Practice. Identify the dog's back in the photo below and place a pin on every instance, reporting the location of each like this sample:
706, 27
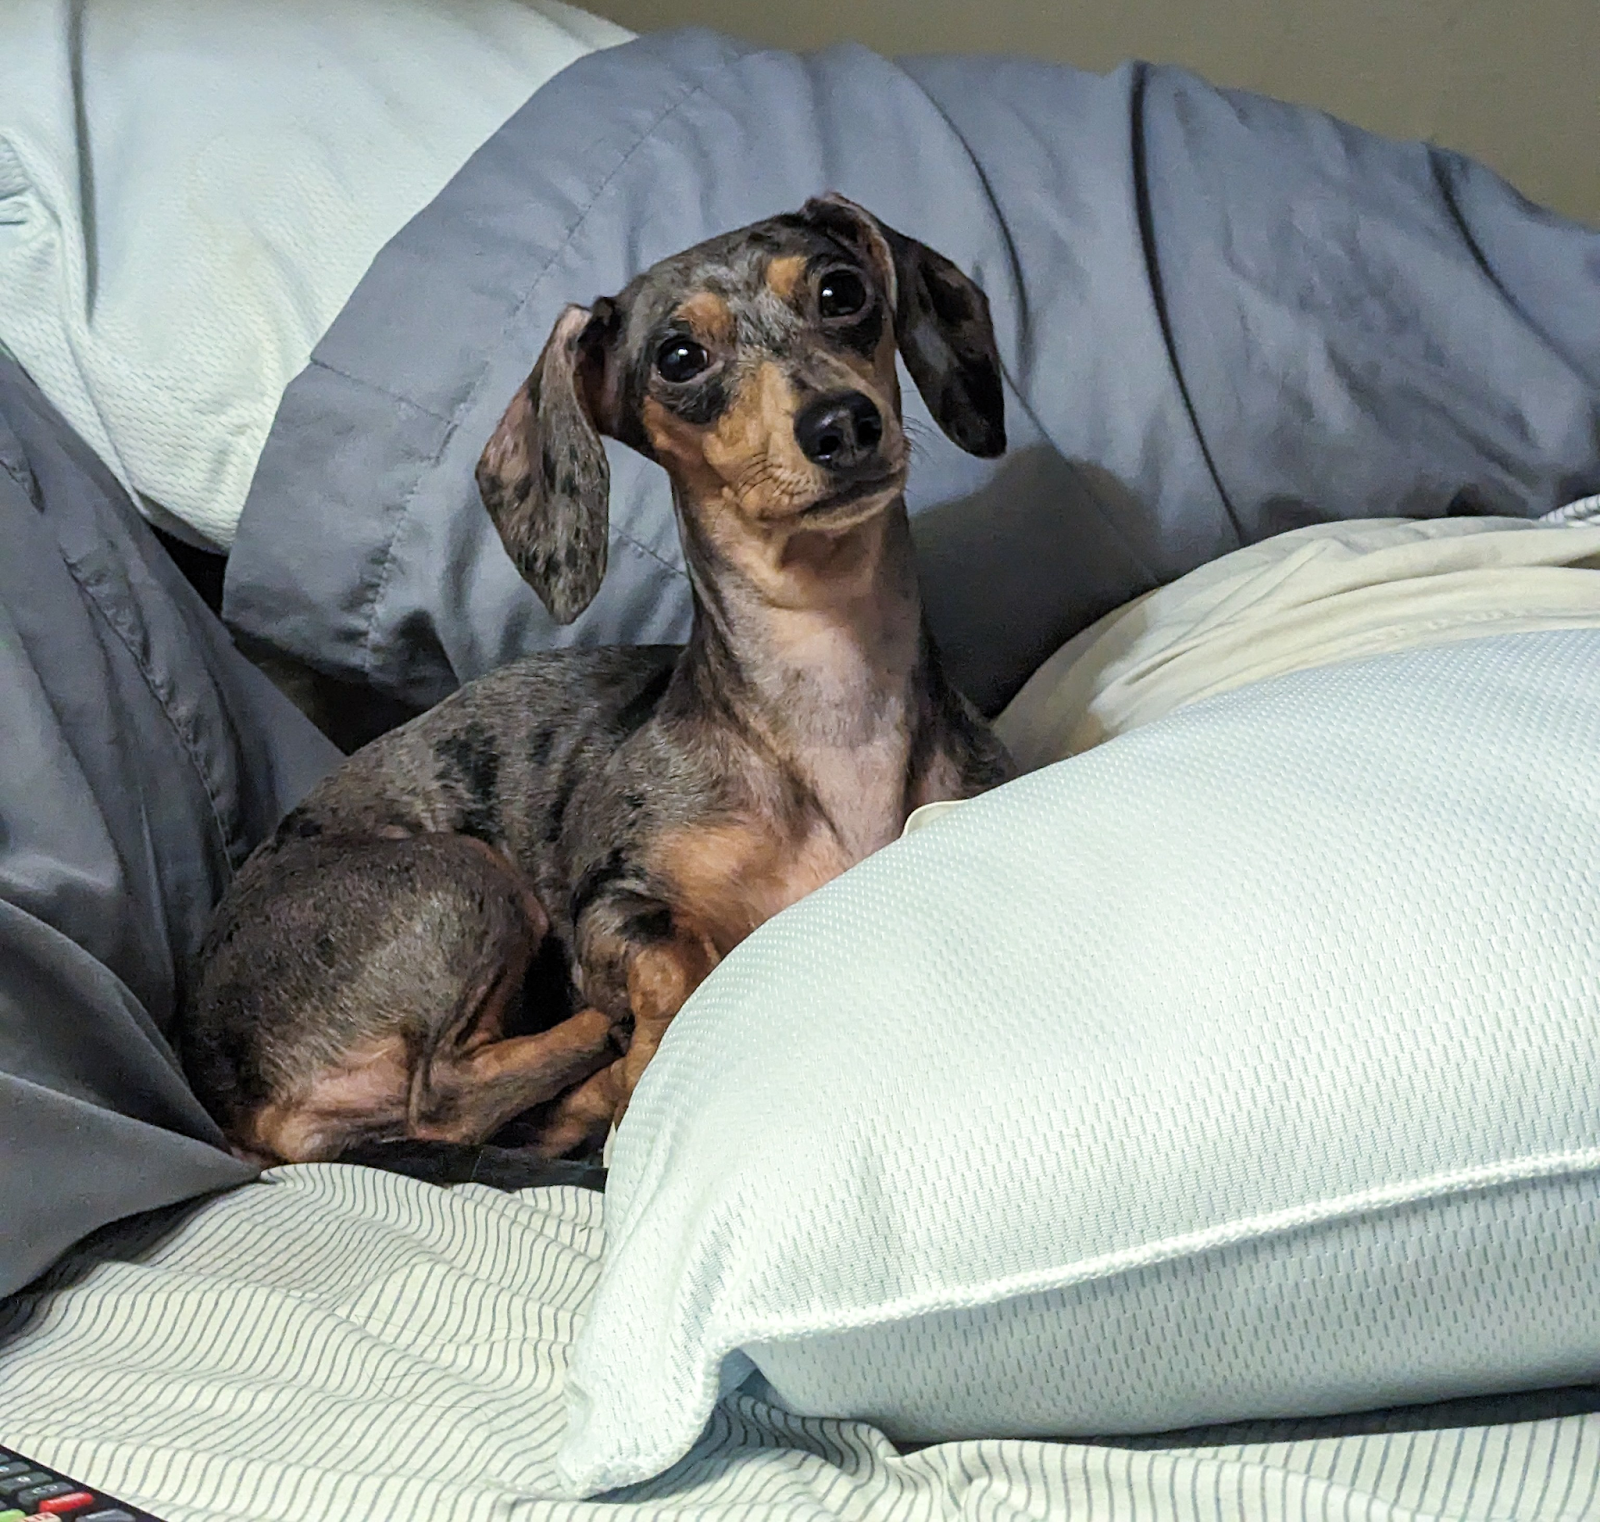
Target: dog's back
497, 760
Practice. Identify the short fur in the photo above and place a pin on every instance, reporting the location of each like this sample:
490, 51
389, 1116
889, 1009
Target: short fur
654, 808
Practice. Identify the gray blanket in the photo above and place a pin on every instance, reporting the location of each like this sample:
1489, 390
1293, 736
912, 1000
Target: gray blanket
141, 757
1219, 317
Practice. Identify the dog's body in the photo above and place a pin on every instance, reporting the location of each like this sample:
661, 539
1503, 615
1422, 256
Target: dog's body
656, 811
362, 978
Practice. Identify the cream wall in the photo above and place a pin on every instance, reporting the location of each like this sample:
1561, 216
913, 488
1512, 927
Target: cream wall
1515, 82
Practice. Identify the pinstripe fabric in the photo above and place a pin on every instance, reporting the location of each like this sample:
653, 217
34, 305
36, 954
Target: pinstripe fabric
338, 1345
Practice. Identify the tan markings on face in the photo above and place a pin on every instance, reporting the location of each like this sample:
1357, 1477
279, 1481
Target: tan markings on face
708, 315
748, 458
680, 446
784, 275
875, 375
752, 447
875, 371
884, 374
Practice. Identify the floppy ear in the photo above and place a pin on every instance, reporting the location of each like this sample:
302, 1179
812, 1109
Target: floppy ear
941, 324
543, 475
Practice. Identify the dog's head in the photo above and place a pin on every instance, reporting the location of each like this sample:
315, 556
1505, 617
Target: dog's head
759, 370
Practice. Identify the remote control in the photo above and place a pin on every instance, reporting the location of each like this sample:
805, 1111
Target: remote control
29, 1491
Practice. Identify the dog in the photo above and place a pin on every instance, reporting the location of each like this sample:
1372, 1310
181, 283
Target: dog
644, 809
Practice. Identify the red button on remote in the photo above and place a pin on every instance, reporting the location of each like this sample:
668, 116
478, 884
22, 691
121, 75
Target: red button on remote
56, 1505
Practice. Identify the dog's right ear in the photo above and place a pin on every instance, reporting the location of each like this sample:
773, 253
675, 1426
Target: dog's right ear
941, 324
543, 475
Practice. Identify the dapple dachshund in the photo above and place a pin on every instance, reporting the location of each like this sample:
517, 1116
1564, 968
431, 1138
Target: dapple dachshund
367, 976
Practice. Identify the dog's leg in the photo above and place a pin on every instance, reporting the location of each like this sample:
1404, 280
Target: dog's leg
661, 977
581, 1117
640, 960
658, 977
467, 1095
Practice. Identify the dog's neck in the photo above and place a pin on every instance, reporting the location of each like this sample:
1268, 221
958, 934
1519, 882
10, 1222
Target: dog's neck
815, 640
818, 633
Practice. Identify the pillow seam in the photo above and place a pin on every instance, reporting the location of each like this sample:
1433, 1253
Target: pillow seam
625, 1469
1265, 1226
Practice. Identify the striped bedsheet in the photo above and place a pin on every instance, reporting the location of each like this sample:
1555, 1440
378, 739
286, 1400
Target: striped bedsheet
339, 1345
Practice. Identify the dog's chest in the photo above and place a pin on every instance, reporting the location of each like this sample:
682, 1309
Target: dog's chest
790, 837
728, 878
795, 869
859, 793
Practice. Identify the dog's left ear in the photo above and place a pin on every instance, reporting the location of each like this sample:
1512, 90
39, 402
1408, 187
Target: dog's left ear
543, 474
941, 324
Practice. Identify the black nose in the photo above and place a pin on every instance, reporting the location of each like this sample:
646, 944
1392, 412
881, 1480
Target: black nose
839, 432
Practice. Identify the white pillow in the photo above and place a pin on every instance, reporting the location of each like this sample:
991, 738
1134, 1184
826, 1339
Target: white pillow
190, 189
1315, 596
1247, 1065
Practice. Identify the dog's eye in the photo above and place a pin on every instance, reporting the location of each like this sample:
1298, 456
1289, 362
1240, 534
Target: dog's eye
681, 359
841, 293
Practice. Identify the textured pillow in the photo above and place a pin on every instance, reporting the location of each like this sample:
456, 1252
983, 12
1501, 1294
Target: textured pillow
244, 162
1247, 1065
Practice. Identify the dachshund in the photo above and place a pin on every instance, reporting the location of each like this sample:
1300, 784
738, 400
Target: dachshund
641, 810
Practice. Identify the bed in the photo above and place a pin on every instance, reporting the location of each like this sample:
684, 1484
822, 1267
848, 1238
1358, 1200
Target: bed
1303, 428
336, 1342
